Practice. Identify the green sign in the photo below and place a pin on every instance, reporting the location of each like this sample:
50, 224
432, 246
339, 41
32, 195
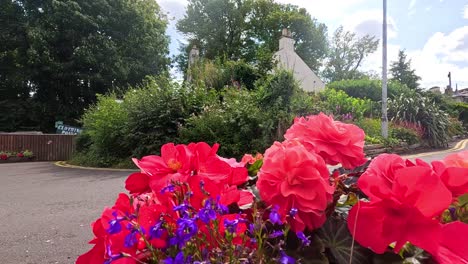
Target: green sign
66, 129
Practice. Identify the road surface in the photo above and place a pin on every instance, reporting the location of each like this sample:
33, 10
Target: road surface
46, 210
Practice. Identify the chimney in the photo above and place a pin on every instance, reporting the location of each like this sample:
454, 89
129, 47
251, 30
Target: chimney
193, 55
286, 41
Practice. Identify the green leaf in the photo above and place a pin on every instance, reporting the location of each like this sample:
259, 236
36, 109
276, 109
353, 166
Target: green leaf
463, 200
254, 168
339, 244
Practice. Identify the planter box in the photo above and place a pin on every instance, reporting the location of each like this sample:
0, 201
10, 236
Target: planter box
17, 159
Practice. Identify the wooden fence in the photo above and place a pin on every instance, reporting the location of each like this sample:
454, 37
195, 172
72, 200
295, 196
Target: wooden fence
47, 147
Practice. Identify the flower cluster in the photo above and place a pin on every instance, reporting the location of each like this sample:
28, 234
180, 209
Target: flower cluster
406, 201
189, 205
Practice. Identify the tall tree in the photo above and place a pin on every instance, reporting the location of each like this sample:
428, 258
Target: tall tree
250, 30
347, 53
77, 48
401, 71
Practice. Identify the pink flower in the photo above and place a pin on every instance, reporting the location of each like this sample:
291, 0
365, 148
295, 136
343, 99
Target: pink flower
334, 141
459, 160
173, 165
400, 212
292, 177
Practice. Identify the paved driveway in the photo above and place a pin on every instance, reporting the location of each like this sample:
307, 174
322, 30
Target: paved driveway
46, 211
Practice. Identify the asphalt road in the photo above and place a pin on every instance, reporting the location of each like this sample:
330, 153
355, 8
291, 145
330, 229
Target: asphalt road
46, 211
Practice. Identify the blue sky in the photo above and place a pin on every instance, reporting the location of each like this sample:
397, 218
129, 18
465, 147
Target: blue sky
434, 33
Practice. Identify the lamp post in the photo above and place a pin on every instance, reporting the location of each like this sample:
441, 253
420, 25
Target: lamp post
384, 72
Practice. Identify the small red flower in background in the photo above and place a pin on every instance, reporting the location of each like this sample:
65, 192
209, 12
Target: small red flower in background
292, 177
459, 160
249, 159
20, 155
334, 141
3, 156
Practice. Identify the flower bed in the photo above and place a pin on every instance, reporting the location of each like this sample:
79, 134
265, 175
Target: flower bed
190, 205
9, 157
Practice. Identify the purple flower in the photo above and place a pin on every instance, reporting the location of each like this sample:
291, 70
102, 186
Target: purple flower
178, 259
114, 225
276, 234
131, 239
156, 231
305, 240
274, 216
285, 259
231, 226
206, 214
169, 188
293, 212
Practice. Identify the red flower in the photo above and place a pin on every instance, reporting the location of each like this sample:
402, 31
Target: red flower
207, 164
173, 165
453, 245
456, 180
20, 155
292, 177
377, 180
334, 141
3, 156
405, 214
248, 158
239, 174
459, 160
137, 183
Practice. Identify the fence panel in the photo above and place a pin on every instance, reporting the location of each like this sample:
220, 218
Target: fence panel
46, 147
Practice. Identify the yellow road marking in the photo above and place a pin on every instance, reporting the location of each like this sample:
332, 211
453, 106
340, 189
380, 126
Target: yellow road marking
459, 146
63, 164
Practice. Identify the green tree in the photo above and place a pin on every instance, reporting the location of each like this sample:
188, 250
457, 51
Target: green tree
402, 72
76, 49
347, 52
250, 30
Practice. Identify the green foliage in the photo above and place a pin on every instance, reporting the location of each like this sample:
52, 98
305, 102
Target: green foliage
415, 108
339, 103
402, 72
104, 125
65, 52
455, 128
371, 126
249, 30
217, 74
156, 111
461, 112
347, 51
368, 88
406, 135
235, 123
374, 140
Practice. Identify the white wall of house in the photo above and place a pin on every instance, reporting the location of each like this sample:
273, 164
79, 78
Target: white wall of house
288, 59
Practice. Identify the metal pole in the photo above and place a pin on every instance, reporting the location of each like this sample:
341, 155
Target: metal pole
384, 72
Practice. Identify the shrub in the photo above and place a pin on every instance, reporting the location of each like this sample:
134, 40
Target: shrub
455, 127
157, 110
415, 108
407, 135
371, 126
103, 130
368, 88
339, 104
237, 124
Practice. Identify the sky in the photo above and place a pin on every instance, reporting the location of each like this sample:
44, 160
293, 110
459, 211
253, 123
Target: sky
434, 33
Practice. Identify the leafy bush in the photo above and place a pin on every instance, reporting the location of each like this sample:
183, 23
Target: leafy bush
371, 126
415, 108
339, 104
103, 130
236, 124
407, 135
455, 127
368, 88
156, 111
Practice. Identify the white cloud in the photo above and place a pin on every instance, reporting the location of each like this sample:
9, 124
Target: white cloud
369, 22
442, 54
465, 12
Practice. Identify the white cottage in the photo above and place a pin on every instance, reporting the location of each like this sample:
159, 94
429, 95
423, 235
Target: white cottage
288, 59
